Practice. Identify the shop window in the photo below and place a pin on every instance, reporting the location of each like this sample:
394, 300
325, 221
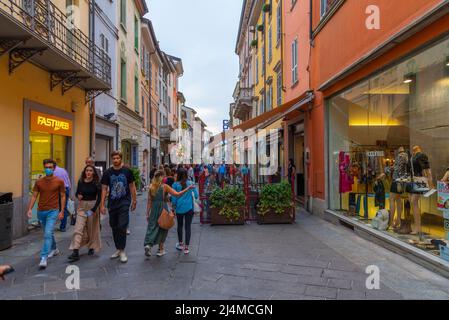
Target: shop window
375, 129
134, 156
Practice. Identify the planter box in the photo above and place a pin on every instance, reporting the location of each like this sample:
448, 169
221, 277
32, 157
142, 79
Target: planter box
274, 218
217, 219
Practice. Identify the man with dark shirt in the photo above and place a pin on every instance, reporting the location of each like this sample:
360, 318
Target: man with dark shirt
119, 180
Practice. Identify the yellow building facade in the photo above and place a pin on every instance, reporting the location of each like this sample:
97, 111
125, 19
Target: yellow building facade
267, 59
47, 82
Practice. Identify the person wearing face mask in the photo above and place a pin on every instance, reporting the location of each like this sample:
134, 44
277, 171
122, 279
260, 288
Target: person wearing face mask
52, 198
87, 228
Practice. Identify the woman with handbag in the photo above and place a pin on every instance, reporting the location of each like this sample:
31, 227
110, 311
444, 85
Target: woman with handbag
157, 208
184, 207
87, 226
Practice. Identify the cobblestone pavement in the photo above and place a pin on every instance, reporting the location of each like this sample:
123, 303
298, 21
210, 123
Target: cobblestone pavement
311, 259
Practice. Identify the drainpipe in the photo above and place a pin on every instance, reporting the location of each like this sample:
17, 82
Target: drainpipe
92, 103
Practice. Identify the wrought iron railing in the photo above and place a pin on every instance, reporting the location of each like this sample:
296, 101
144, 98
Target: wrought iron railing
49, 24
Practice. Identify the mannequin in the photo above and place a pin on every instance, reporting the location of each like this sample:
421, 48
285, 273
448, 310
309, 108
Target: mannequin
398, 187
421, 168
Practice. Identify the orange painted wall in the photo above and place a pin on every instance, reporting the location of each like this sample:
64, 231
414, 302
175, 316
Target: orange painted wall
345, 38
296, 25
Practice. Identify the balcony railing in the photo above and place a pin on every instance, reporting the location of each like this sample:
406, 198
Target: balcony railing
43, 20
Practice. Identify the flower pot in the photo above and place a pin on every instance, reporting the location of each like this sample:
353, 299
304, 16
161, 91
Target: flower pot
273, 218
254, 43
217, 219
260, 27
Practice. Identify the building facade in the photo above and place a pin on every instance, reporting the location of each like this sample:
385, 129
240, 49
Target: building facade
104, 31
130, 116
46, 84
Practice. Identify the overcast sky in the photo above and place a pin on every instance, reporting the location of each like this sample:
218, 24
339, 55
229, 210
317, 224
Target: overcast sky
202, 33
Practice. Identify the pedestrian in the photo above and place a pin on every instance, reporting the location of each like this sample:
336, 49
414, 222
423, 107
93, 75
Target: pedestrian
52, 197
119, 180
221, 174
184, 208
152, 171
158, 200
91, 162
291, 172
196, 173
62, 174
169, 177
4, 270
87, 227
190, 173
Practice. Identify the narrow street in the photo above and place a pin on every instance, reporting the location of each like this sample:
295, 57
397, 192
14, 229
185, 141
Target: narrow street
311, 259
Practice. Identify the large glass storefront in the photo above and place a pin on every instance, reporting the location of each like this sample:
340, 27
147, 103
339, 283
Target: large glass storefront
389, 150
45, 146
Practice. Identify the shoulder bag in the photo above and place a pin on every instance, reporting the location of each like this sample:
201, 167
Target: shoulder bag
418, 184
167, 219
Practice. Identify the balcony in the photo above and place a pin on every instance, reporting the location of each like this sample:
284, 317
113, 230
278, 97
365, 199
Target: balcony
244, 103
37, 31
165, 132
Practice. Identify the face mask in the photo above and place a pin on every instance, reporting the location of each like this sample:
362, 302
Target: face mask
48, 172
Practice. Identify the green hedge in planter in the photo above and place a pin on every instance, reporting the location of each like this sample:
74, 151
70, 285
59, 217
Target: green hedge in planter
254, 43
276, 197
136, 175
229, 200
260, 27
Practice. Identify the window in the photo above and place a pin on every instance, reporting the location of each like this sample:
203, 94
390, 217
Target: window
270, 44
134, 152
262, 101
326, 5
136, 93
257, 69
123, 13
269, 102
136, 34
279, 88
104, 43
263, 61
372, 126
278, 24
123, 79
295, 61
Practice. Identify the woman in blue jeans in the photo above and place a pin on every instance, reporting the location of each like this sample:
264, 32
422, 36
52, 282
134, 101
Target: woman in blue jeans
184, 208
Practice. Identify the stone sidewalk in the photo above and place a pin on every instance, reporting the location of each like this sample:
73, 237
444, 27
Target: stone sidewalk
311, 259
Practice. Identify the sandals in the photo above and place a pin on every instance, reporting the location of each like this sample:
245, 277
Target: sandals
4, 270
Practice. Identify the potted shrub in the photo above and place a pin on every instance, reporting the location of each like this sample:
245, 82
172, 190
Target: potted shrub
254, 43
227, 206
276, 204
260, 27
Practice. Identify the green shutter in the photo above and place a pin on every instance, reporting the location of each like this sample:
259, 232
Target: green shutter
123, 79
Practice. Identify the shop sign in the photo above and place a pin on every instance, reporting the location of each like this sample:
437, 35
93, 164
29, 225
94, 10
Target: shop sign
42, 122
443, 198
375, 154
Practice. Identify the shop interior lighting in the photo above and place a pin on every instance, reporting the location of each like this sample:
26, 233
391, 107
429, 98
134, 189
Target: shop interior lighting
447, 61
409, 78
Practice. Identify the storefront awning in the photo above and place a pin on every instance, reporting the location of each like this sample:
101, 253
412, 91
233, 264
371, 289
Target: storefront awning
277, 114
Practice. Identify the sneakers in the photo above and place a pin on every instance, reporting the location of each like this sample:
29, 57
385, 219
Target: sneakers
116, 254
128, 232
53, 253
161, 253
123, 257
74, 256
186, 250
179, 246
148, 251
43, 263
91, 252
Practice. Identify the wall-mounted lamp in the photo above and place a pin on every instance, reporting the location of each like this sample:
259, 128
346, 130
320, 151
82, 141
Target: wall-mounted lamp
409, 77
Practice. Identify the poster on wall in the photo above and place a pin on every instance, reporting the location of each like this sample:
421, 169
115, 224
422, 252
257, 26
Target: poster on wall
443, 204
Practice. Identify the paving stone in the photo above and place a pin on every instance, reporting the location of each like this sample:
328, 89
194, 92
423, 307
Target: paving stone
321, 292
339, 283
351, 295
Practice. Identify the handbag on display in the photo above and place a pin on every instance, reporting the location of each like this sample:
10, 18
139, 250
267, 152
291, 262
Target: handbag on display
417, 184
382, 220
72, 211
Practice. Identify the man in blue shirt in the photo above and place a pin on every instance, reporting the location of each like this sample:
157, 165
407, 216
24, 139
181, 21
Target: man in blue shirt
221, 173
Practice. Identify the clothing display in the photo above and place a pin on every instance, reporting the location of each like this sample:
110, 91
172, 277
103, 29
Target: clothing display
381, 221
379, 194
346, 180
